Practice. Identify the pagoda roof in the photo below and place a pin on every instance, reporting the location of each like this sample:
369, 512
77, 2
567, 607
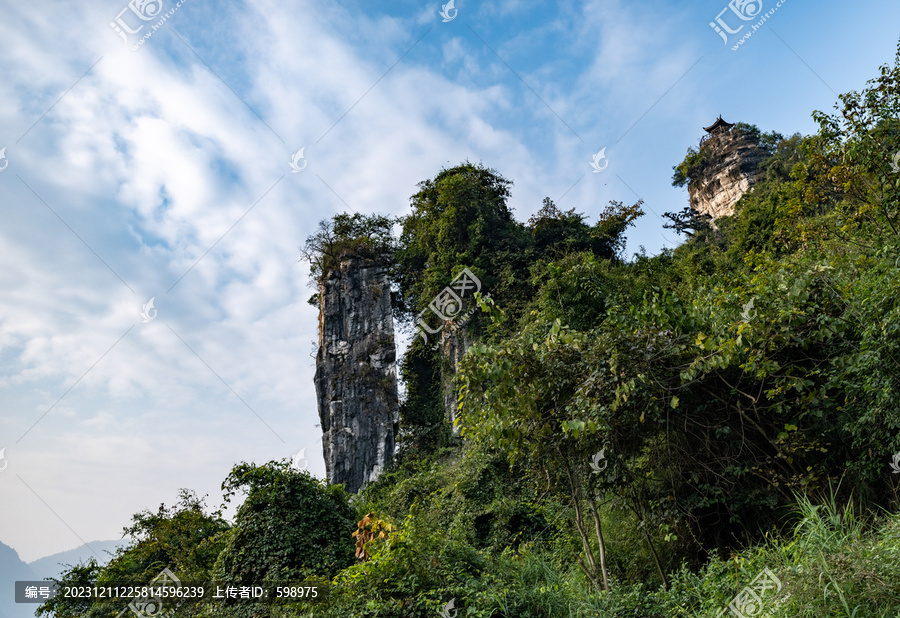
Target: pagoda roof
718, 124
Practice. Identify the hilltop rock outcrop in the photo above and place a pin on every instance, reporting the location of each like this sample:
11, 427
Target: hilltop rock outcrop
732, 168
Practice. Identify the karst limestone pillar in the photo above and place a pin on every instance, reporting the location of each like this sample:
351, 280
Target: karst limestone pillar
732, 169
356, 374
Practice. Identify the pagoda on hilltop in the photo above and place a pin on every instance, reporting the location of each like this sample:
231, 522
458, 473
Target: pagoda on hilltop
717, 128
730, 168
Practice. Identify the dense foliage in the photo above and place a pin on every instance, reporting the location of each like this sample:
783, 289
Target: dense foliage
289, 526
185, 539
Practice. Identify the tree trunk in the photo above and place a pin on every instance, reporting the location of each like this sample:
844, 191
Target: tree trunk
592, 573
600, 542
656, 560
638, 511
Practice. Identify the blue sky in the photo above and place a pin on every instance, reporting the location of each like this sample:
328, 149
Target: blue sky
165, 173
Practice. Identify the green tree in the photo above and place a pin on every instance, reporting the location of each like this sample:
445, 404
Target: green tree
62, 606
853, 155
368, 236
185, 539
459, 219
289, 526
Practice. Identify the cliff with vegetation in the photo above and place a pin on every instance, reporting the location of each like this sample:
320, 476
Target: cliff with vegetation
714, 430
725, 166
733, 167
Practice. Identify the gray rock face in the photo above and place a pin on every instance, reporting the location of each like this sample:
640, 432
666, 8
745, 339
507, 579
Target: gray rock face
733, 169
453, 347
356, 374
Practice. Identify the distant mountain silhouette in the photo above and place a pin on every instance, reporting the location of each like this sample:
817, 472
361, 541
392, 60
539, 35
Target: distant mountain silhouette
12, 569
51, 566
